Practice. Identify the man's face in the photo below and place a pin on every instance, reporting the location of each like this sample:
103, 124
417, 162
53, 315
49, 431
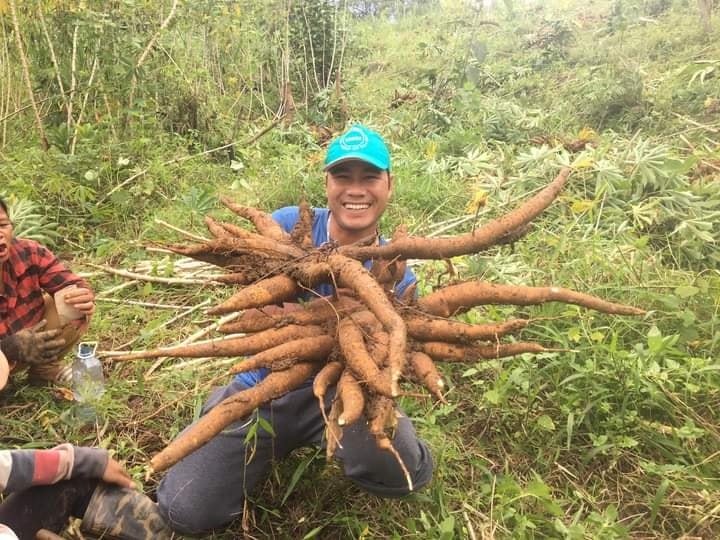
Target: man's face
6, 235
357, 194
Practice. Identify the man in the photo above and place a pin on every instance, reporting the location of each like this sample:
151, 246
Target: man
208, 488
34, 285
46, 487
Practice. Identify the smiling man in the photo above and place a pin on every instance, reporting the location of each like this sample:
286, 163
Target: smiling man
32, 334
358, 184
208, 488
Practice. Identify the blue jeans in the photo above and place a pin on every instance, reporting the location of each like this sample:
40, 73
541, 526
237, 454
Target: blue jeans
207, 489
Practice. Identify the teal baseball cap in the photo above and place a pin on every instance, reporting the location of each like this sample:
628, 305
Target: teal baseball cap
358, 142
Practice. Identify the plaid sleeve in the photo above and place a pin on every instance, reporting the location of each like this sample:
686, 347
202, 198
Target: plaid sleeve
52, 273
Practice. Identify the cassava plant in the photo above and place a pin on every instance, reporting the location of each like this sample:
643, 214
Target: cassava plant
362, 338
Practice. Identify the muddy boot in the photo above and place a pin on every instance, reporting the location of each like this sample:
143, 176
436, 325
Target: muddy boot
123, 514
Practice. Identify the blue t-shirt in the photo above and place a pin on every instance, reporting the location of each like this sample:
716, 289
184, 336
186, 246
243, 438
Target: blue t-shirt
287, 217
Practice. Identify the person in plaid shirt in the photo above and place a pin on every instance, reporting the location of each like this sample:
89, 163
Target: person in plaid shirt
32, 335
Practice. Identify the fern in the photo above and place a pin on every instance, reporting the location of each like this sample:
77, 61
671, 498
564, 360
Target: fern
30, 223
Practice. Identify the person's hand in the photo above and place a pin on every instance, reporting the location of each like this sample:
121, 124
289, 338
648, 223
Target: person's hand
116, 474
81, 299
33, 345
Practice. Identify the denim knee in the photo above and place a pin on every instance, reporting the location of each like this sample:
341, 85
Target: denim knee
189, 515
393, 485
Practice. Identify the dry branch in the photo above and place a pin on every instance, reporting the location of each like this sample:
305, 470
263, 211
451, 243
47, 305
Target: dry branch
26, 74
137, 175
150, 278
146, 52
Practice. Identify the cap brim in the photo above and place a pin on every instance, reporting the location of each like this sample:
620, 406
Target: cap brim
358, 157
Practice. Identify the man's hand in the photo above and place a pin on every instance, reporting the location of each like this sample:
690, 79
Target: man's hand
81, 299
33, 345
116, 474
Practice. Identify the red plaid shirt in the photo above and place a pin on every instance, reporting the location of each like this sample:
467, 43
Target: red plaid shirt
30, 270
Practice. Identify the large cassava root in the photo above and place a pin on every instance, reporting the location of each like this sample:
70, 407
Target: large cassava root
362, 339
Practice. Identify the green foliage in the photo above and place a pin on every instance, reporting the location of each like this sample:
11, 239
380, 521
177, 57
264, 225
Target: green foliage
648, 184
316, 31
611, 97
551, 38
28, 222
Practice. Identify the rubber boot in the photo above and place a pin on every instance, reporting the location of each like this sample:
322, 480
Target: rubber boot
123, 514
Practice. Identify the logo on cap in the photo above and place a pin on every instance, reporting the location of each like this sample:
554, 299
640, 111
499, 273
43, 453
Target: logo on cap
360, 143
355, 139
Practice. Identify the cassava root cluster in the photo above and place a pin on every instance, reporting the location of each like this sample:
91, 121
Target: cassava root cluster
362, 339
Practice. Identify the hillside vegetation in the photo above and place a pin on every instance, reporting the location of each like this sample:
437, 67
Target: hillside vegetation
144, 113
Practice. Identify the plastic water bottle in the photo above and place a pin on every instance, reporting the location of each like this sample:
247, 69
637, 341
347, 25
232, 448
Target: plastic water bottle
88, 380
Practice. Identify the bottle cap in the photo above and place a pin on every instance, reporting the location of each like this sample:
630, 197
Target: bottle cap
87, 348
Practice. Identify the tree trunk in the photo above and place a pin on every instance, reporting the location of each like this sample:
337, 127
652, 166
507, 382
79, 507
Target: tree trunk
144, 55
706, 7
26, 74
